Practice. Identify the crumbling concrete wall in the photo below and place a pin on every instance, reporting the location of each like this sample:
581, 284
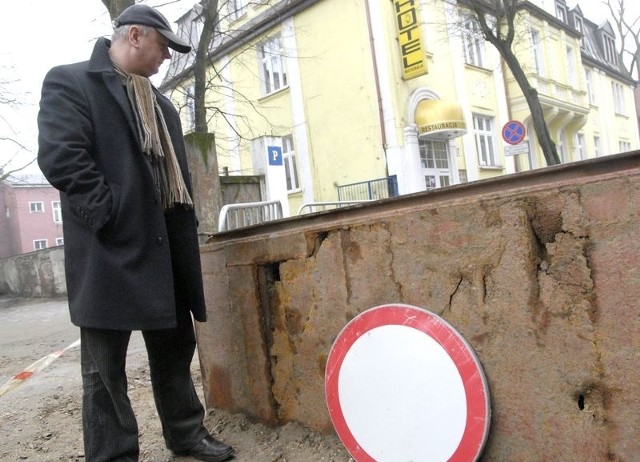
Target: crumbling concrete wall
34, 274
540, 272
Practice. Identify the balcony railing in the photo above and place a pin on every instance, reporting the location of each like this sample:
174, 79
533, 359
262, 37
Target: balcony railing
380, 188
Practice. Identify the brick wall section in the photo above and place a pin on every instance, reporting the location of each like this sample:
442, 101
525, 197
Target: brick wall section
539, 271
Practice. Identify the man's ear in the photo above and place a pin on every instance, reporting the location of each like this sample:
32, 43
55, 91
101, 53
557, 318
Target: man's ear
134, 35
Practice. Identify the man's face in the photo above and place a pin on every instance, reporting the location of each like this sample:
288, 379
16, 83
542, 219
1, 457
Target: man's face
153, 49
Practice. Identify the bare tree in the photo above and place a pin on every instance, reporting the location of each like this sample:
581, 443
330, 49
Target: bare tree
7, 98
628, 29
497, 21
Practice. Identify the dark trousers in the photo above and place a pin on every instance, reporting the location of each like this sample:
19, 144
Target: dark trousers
108, 422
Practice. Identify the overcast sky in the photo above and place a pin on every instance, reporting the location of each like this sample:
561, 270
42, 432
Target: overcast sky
39, 34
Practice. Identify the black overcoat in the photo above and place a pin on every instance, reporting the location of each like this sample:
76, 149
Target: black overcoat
127, 262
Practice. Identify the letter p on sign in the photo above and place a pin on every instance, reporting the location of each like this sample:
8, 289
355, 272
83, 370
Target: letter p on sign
275, 155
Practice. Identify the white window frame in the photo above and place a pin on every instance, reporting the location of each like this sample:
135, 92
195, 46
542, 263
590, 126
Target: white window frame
579, 147
561, 146
236, 9
597, 146
579, 25
619, 104
561, 12
609, 45
591, 94
436, 167
59, 240
190, 102
473, 42
538, 55
40, 244
56, 210
485, 140
290, 164
273, 71
36, 207
625, 146
571, 65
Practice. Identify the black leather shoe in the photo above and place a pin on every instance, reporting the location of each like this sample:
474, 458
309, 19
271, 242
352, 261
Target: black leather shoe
209, 449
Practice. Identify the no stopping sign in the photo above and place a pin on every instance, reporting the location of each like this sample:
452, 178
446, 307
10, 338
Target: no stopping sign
403, 385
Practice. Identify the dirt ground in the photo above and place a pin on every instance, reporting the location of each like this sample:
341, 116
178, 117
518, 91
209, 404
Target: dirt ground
40, 420
50, 430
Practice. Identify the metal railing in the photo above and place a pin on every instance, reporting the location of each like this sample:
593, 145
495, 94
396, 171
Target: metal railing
380, 188
233, 216
319, 206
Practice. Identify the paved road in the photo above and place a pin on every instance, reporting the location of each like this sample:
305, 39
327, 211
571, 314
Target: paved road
31, 329
40, 417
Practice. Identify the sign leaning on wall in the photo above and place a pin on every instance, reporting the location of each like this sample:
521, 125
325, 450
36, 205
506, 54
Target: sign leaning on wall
402, 384
409, 27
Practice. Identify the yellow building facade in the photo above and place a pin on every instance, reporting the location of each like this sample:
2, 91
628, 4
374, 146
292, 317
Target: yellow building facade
329, 98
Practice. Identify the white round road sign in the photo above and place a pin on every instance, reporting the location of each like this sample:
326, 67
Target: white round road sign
403, 385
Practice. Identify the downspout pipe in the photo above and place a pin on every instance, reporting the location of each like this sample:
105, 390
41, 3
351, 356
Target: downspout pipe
377, 83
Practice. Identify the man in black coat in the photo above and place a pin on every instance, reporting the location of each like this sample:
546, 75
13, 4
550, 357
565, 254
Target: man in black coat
113, 146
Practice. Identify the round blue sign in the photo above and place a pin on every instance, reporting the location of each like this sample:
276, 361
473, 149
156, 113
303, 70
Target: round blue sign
513, 132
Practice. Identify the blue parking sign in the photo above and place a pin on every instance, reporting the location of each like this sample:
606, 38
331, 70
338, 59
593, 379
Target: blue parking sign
275, 155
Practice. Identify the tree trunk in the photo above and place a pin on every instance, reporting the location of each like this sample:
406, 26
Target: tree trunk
201, 150
537, 114
115, 7
209, 197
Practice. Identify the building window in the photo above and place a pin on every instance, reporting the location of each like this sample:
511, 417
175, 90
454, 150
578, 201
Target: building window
36, 207
580, 151
272, 69
191, 106
236, 8
562, 147
590, 89
59, 240
571, 65
39, 244
538, 60
485, 141
434, 156
473, 42
579, 25
290, 164
596, 146
618, 98
57, 212
561, 12
610, 54
625, 146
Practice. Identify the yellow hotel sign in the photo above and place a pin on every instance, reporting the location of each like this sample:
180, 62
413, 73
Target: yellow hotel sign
414, 62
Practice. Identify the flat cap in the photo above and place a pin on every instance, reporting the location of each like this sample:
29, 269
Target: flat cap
144, 15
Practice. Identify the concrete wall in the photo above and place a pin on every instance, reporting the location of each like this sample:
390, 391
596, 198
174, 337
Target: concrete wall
34, 274
539, 271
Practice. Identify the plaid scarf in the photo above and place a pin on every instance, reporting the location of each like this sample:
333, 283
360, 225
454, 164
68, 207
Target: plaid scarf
155, 140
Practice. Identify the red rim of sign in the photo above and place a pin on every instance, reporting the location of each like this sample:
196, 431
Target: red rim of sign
473, 378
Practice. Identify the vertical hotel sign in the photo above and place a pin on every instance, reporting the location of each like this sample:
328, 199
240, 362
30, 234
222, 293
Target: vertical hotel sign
409, 26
